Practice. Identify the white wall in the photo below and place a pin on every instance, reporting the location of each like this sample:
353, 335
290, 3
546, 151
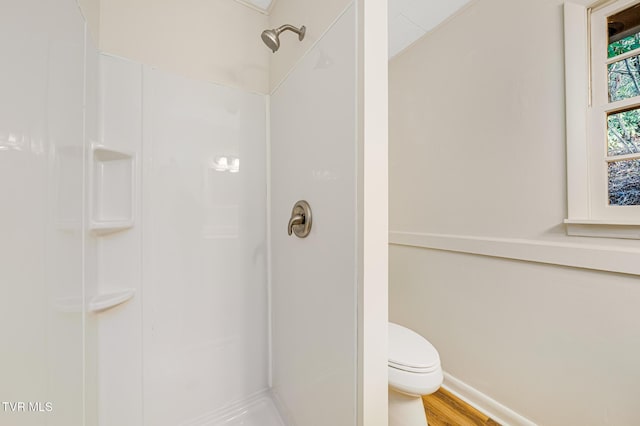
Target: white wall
557, 345
42, 147
477, 165
410, 20
314, 297
216, 41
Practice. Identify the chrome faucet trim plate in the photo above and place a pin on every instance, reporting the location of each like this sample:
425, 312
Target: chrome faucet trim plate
300, 222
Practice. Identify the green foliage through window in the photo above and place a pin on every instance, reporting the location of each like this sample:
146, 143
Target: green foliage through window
623, 131
623, 127
624, 79
625, 45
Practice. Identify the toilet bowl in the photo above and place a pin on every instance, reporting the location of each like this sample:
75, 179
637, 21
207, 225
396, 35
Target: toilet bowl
414, 370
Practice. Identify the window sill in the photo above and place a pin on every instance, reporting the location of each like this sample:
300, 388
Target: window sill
603, 229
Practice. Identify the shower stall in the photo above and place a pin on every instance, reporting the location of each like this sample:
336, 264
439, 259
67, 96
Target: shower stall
148, 177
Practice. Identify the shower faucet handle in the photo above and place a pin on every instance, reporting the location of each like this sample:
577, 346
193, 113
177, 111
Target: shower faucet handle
295, 220
300, 222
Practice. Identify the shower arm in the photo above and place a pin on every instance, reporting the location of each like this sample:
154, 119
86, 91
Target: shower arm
300, 31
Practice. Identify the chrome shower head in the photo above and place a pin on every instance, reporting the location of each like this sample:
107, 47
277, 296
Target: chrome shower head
272, 37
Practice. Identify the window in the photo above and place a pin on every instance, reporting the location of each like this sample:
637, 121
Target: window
602, 65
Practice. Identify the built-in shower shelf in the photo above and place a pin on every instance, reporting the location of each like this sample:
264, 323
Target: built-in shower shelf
112, 190
98, 303
103, 228
106, 301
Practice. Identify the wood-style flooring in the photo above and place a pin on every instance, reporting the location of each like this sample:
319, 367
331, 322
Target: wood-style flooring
445, 409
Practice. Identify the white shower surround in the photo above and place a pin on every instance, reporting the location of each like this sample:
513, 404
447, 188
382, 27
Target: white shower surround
116, 367
203, 297
203, 307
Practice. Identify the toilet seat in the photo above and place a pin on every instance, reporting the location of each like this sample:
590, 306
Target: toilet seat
414, 364
414, 369
409, 351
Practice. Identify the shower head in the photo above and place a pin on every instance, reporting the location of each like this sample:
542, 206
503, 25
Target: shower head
272, 37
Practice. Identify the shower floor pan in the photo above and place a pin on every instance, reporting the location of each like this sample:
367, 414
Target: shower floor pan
256, 411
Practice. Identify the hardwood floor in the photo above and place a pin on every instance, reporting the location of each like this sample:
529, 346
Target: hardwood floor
444, 409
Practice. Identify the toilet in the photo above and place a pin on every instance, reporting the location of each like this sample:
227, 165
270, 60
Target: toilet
414, 370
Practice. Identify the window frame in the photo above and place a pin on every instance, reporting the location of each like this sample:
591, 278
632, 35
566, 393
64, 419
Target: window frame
589, 212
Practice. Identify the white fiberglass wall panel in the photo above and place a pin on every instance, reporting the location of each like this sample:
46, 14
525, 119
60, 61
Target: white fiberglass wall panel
91, 133
204, 248
41, 212
65, 236
115, 193
313, 157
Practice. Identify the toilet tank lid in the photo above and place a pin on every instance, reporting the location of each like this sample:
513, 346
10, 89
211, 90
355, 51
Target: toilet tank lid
408, 348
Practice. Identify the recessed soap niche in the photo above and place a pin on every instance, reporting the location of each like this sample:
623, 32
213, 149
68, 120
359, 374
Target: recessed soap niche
112, 190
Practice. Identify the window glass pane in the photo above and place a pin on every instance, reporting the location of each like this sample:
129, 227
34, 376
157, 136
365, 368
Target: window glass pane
625, 45
624, 79
623, 29
624, 183
623, 133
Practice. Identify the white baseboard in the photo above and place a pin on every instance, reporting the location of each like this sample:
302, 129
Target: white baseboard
481, 402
